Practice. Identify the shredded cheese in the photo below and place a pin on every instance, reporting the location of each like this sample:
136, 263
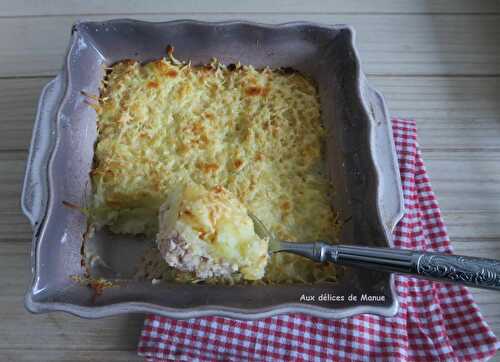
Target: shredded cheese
256, 133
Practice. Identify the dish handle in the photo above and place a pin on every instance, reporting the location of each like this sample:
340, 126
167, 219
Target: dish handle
391, 201
34, 196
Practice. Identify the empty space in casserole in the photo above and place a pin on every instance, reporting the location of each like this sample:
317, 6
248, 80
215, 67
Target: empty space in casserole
255, 133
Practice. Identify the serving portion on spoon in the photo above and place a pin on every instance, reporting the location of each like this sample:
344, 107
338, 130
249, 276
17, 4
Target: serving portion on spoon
209, 232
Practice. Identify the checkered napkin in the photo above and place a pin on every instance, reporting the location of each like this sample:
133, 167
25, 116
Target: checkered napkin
436, 322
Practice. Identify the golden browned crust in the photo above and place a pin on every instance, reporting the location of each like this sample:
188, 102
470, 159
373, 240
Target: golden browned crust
255, 132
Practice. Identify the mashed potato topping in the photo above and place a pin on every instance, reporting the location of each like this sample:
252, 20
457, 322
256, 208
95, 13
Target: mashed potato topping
255, 133
209, 232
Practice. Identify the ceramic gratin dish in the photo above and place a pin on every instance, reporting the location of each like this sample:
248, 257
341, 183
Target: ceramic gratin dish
361, 162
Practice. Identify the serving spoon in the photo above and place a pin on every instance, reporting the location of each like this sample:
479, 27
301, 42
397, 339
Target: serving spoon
466, 270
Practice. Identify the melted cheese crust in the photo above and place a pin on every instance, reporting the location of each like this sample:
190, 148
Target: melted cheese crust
257, 133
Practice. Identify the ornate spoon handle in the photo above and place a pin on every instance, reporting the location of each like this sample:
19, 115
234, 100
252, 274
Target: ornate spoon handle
475, 272
471, 271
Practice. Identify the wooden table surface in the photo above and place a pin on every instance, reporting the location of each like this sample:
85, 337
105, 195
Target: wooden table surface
435, 61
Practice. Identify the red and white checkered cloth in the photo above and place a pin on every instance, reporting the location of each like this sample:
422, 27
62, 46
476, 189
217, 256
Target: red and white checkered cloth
436, 322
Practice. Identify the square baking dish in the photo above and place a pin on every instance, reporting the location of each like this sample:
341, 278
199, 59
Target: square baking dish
360, 155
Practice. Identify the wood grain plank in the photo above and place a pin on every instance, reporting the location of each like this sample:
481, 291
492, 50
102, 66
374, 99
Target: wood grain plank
388, 44
466, 181
481, 248
484, 296
467, 187
18, 103
95, 7
13, 225
455, 113
37, 355
55, 330
472, 223
63, 332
